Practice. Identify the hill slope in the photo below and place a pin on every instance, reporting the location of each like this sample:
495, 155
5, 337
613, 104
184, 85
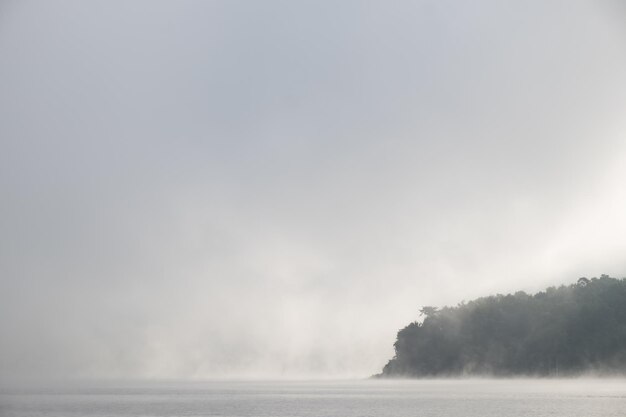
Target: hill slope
560, 331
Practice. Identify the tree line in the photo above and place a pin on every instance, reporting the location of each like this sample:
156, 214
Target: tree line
557, 332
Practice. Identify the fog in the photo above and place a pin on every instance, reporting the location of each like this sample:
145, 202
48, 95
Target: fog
272, 189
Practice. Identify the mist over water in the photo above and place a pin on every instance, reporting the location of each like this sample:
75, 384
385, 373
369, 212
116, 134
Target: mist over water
272, 189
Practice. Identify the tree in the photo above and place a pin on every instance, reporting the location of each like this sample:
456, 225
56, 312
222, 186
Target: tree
428, 311
565, 330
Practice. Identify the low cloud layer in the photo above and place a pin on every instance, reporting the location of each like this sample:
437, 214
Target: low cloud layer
224, 189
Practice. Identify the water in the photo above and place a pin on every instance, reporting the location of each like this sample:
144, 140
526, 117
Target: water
468, 398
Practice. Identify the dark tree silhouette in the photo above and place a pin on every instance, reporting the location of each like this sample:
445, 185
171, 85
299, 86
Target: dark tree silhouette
428, 311
559, 331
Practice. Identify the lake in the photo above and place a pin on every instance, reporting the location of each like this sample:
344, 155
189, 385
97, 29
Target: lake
463, 397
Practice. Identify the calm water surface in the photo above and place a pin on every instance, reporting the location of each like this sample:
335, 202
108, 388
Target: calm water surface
480, 398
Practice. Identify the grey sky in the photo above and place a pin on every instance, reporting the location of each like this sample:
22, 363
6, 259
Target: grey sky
216, 189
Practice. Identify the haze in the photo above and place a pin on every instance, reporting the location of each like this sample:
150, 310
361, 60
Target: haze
273, 189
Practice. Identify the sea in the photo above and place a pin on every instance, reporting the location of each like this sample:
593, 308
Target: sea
358, 398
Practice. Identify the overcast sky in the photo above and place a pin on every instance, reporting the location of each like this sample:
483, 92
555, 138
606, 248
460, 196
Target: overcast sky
273, 189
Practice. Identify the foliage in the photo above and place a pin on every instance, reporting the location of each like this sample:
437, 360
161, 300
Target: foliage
560, 331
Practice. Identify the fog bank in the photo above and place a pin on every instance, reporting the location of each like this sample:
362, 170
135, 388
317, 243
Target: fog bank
230, 189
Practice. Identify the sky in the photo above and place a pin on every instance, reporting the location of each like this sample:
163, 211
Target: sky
242, 189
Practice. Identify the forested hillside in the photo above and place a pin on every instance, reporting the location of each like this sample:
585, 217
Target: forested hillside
557, 332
